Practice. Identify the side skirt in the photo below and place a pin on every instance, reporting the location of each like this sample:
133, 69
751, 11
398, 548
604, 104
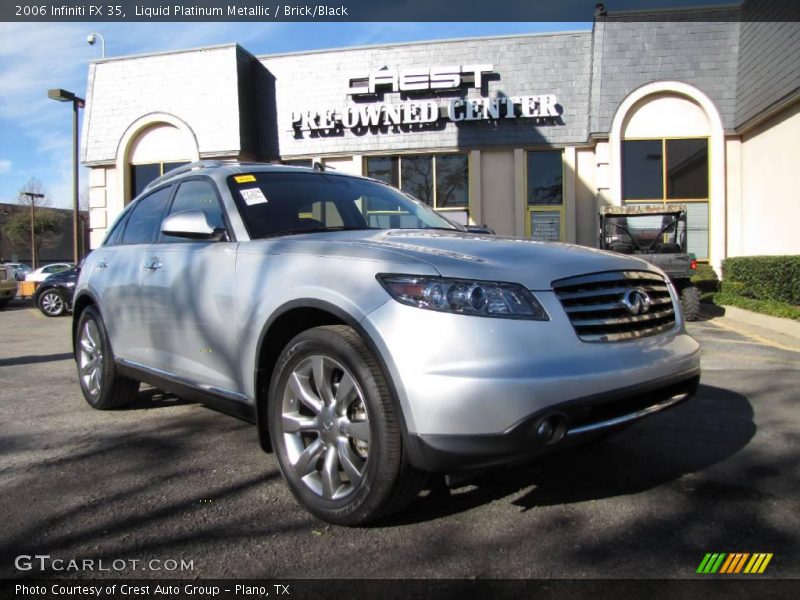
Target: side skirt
225, 401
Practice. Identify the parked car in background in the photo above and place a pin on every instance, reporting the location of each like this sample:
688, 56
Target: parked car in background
8, 284
54, 295
42, 273
18, 270
371, 340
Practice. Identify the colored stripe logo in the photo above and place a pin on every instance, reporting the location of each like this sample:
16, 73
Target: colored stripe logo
734, 563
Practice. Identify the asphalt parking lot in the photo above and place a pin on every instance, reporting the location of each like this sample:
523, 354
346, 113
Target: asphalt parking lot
169, 480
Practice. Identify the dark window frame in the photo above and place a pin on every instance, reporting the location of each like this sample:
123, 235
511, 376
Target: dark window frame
665, 198
161, 171
396, 170
664, 195
171, 191
528, 156
532, 208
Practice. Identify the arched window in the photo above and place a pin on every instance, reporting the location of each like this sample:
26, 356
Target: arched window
667, 145
664, 158
151, 145
155, 151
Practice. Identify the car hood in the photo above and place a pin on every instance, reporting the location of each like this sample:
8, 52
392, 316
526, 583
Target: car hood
70, 275
466, 255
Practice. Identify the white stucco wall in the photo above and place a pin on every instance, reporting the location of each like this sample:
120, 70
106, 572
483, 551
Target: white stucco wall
770, 187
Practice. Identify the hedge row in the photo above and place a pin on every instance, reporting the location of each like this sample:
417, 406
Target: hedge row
705, 278
764, 277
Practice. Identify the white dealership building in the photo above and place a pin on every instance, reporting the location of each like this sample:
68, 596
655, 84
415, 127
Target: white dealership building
530, 134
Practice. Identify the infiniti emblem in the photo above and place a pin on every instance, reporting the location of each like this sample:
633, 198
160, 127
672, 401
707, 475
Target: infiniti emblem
636, 301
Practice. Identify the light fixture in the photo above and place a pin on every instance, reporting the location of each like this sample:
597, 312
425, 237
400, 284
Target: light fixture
77, 103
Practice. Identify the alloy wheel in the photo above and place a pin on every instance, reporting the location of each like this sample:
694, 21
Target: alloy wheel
325, 426
52, 303
90, 360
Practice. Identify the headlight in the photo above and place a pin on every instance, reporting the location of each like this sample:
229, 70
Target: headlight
465, 297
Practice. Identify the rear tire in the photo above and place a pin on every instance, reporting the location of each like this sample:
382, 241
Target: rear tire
335, 431
102, 387
690, 303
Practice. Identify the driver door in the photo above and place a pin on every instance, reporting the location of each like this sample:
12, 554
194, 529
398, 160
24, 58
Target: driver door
190, 289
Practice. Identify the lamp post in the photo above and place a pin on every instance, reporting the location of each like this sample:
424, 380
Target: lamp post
92, 38
32, 196
65, 96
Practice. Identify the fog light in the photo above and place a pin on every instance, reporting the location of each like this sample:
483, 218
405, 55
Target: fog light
552, 429
545, 430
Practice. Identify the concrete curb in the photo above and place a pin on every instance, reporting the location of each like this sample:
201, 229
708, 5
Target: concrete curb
776, 324
781, 332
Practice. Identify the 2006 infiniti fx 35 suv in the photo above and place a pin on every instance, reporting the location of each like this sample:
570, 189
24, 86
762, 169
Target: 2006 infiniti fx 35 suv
371, 340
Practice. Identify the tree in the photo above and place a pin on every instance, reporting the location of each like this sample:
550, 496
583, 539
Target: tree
46, 222
34, 186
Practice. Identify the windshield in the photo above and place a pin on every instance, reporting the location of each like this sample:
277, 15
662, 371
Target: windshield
645, 233
282, 203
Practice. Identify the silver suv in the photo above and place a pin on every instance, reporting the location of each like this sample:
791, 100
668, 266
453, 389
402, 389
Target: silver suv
370, 340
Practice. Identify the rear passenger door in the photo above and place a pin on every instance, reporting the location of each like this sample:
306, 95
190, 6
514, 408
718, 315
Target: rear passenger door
117, 276
189, 285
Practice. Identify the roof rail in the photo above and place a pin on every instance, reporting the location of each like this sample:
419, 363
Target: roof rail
200, 164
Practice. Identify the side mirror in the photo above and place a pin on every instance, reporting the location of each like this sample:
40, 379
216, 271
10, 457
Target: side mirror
480, 229
189, 224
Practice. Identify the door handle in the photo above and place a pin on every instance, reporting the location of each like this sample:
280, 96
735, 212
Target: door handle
153, 265
102, 264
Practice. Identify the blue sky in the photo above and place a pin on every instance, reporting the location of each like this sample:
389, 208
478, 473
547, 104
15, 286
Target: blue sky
36, 133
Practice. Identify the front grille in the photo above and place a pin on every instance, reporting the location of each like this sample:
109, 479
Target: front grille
603, 307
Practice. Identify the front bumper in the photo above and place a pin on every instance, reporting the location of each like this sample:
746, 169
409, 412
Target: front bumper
582, 419
472, 389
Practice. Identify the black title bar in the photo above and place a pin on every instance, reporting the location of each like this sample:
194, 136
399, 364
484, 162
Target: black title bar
701, 588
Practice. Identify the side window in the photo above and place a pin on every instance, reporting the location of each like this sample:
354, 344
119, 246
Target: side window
114, 237
145, 220
197, 194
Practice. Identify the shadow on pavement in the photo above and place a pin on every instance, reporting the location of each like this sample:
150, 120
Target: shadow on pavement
709, 311
34, 359
149, 398
657, 451
18, 304
138, 493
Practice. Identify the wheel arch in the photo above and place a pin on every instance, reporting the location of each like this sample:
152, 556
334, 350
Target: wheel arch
288, 321
80, 302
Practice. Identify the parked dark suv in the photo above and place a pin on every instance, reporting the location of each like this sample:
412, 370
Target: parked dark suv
54, 294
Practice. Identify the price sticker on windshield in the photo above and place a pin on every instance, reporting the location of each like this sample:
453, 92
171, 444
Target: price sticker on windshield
244, 179
253, 196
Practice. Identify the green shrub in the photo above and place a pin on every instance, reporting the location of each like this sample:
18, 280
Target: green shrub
774, 278
766, 307
736, 288
705, 278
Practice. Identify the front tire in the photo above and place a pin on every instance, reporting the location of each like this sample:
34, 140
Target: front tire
102, 387
334, 429
52, 303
